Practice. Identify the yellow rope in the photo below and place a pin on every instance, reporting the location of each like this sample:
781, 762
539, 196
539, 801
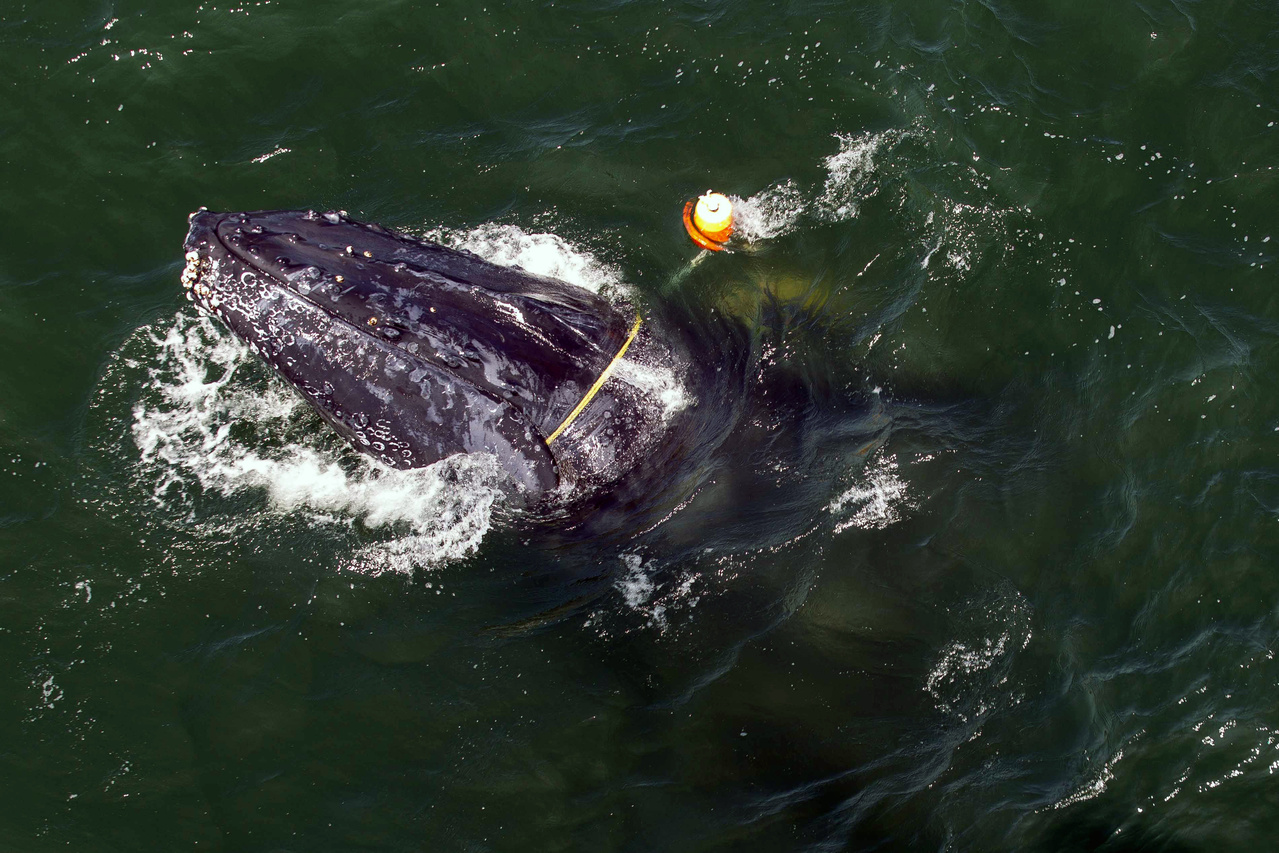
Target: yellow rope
599, 383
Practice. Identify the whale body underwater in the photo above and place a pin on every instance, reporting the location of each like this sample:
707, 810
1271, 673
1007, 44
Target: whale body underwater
414, 352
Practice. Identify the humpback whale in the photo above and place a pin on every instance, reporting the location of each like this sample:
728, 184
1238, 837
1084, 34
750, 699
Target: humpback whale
414, 352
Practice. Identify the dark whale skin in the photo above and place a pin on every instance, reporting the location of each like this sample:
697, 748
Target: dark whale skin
415, 352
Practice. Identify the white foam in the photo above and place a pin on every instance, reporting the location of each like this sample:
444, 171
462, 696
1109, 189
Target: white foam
875, 502
50, 693
849, 174
850, 179
185, 426
541, 254
962, 233
658, 383
770, 213
655, 600
636, 586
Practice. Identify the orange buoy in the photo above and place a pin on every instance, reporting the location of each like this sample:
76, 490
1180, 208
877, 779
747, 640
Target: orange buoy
709, 220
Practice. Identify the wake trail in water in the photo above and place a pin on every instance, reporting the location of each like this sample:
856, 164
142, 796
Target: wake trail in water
850, 180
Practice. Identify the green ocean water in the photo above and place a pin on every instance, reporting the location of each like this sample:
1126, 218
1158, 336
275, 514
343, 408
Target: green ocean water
1036, 612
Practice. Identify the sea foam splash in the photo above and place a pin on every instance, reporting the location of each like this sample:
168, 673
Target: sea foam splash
203, 426
770, 213
850, 180
647, 591
849, 173
539, 253
657, 381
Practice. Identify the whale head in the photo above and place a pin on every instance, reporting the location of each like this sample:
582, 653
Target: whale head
412, 351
